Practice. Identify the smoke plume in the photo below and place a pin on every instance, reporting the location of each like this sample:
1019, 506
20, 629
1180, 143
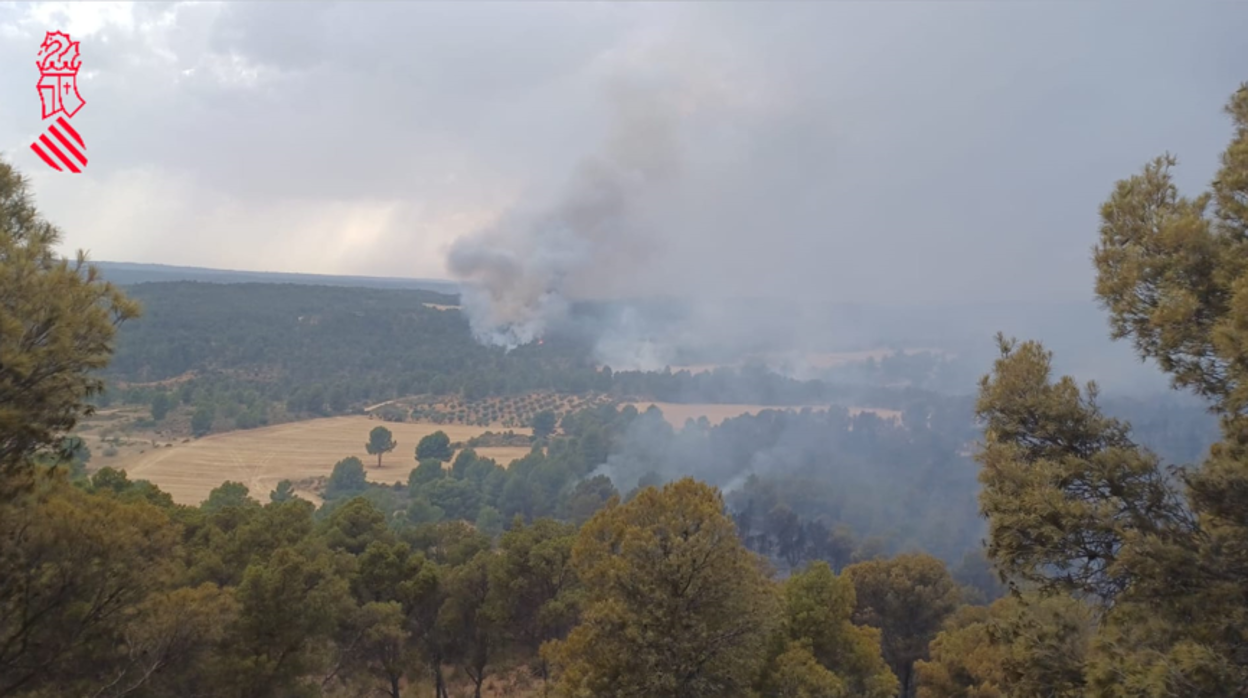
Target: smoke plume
522, 272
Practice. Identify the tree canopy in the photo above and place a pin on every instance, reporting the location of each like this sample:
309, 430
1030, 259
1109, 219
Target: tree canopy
57, 324
436, 446
1076, 507
818, 650
675, 605
380, 442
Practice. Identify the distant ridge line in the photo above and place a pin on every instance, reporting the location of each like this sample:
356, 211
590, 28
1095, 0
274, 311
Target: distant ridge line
128, 273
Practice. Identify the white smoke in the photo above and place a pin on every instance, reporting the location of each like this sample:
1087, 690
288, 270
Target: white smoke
629, 343
521, 273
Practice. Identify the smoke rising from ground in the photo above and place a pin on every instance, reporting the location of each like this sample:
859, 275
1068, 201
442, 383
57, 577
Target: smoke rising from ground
910, 484
783, 156
521, 272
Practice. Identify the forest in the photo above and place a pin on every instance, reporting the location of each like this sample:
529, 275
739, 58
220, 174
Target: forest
812, 553
789, 480
318, 350
244, 355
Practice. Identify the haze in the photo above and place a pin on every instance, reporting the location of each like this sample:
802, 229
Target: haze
893, 152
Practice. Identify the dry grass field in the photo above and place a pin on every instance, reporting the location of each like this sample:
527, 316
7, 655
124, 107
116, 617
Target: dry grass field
676, 414
260, 458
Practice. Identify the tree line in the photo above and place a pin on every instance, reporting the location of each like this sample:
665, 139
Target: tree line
110, 589
244, 355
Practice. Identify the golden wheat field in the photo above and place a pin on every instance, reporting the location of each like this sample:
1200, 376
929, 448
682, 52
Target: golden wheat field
677, 413
260, 458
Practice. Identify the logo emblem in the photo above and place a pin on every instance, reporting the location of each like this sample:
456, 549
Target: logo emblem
60, 146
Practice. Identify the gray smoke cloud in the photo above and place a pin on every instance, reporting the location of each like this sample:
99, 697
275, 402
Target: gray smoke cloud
798, 159
522, 272
630, 341
853, 469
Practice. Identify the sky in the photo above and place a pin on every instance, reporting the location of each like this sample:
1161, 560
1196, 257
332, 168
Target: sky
887, 152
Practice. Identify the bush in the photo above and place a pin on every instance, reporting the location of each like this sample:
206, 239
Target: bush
391, 413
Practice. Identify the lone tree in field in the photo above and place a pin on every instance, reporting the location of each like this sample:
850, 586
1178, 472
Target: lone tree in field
380, 441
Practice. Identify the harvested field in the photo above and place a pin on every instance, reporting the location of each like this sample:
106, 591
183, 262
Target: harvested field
260, 458
677, 413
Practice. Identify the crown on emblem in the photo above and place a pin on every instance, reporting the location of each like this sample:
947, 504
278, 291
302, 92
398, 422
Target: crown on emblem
58, 55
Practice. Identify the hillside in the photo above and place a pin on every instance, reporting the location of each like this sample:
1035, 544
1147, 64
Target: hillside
130, 273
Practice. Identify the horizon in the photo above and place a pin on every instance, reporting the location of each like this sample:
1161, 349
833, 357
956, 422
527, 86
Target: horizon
844, 151
919, 303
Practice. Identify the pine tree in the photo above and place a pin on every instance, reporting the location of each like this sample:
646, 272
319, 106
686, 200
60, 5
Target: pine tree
1076, 507
57, 322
